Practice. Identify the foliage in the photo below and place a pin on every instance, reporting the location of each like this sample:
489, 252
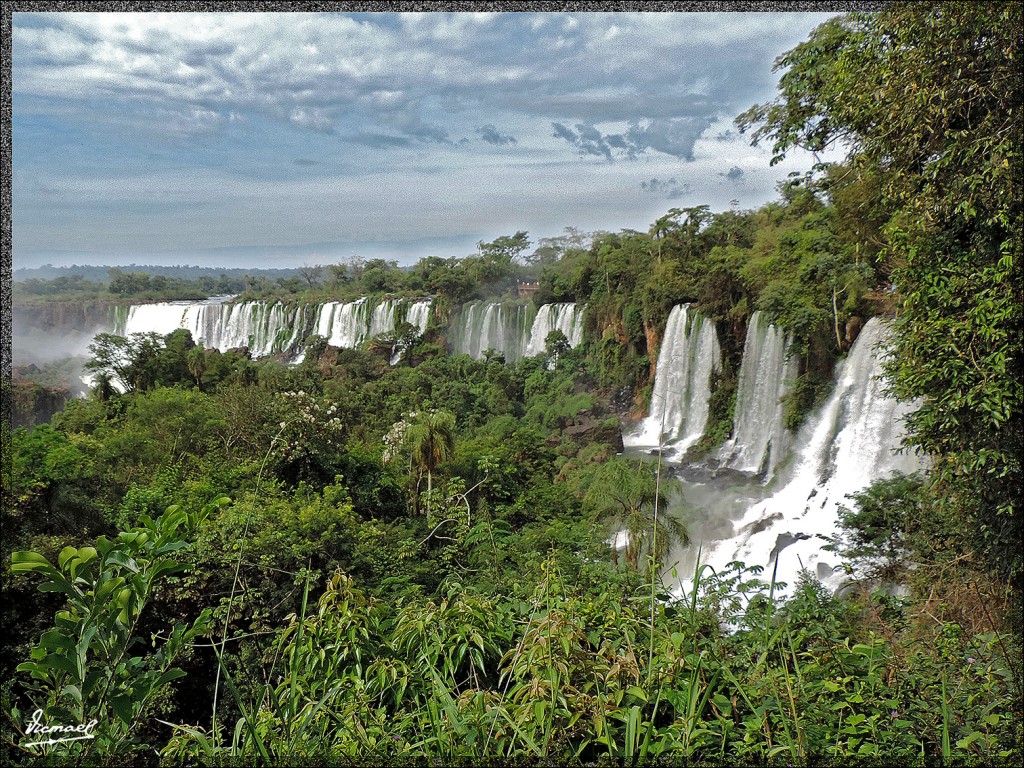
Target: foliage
575, 677
85, 668
426, 440
885, 525
629, 496
927, 98
500, 625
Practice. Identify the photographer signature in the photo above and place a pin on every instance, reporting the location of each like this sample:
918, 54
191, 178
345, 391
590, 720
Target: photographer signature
55, 732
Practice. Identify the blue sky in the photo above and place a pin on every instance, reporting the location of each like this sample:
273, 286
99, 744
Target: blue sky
259, 139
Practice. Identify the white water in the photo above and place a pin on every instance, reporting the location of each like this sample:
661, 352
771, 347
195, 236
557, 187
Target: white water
383, 318
343, 325
759, 434
563, 317
418, 314
846, 445
264, 328
490, 325
682, 384
271, 328
515, 331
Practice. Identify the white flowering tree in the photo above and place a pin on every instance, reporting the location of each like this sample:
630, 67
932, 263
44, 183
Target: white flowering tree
311, 433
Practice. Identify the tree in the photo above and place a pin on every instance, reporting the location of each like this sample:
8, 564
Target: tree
556, 345
427, 438
927, 97
132, 361
432, 442
196, 360
92, 666
338, 275
312, 275
505, 249
127, 283
626, 494
879, 529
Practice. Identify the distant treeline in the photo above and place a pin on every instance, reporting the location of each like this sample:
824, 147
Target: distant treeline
147, 283
101, 274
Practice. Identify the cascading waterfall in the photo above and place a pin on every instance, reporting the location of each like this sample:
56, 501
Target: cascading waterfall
846, 446
383, 318
565, 317
492, 325
682, 383
264, 328
418, 314
759, 432
465, 336
270, 328
342, 324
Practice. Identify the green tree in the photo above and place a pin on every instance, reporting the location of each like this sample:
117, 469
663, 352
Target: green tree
132, 361
927, 96
432, 442
505, 249
91, 667
629, 496
196, 361
313, 275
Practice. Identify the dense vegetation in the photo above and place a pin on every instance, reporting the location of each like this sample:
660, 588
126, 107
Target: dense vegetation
119, 284
240, 560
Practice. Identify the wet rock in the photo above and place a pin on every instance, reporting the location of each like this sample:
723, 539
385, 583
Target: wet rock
588, 429
761, 525
783, 541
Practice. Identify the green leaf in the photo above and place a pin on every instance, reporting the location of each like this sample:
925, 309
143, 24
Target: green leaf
59, 664
22, 562
66, 554
122, 706
168, 676
120, 558
637, 692
74, 692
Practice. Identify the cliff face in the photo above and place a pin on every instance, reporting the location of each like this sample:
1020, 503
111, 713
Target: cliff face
32, 404
48, 330
62, 316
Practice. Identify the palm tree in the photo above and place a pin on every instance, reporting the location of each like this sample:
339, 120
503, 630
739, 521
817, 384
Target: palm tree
628, 496
195, 359
431, 441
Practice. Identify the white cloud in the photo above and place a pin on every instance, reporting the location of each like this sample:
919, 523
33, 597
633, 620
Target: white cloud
634, 66
342, 128
311, 118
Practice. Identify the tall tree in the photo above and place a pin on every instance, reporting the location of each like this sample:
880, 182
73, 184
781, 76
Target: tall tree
431, 441
313, 275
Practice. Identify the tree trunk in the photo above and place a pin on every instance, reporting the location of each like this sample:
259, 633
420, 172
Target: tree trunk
835, 315
430, 486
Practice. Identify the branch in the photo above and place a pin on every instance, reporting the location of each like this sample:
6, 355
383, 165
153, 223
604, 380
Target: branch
430, 535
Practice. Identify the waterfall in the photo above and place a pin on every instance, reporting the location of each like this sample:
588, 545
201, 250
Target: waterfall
162, 318
682, 383
563, 317
343, 325
264, 328
383, 318
418, 314
491, 325
842, 449
759, 433
464, 336
270, 328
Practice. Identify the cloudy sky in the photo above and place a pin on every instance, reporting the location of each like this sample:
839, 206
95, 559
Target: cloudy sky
285, 139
